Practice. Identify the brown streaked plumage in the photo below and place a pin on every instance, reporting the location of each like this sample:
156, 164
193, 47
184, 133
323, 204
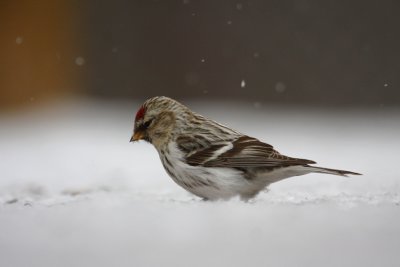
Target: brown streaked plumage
210, 160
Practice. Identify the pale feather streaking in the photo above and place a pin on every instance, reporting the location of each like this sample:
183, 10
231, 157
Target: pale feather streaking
211, 160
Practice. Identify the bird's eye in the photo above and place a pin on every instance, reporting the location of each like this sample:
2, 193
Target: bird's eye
147, 123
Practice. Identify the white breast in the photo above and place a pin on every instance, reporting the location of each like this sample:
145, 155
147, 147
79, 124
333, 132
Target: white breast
205, 182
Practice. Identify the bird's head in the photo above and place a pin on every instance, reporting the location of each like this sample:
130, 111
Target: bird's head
155, 120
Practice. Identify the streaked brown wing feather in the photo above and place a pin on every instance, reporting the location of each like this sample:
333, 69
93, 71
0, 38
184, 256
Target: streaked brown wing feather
246, 152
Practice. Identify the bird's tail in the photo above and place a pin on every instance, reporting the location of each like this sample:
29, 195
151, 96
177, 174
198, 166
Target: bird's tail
332, 171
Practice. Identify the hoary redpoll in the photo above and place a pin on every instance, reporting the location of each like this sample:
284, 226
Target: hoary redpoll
210, 160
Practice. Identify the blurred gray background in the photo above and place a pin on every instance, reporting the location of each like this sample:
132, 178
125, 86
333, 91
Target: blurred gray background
298, 51
285, 52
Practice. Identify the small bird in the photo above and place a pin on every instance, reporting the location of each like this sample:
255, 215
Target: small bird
209, 159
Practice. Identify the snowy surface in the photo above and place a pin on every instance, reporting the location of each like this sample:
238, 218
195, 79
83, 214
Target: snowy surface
75, 192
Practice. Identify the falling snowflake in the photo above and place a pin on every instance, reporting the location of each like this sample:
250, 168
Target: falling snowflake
19, 40
280, 87
80, 61
257, 105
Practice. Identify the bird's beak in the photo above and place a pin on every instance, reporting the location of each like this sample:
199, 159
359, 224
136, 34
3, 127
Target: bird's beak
137, 136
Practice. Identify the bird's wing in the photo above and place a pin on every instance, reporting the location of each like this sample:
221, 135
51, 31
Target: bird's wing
244, 152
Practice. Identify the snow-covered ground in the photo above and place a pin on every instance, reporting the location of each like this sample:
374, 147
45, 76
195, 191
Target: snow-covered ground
75, 192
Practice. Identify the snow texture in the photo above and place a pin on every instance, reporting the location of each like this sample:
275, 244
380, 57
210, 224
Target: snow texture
75, 192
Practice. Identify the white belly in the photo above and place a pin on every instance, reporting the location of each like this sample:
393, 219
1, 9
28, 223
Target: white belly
209, 183
222, 183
